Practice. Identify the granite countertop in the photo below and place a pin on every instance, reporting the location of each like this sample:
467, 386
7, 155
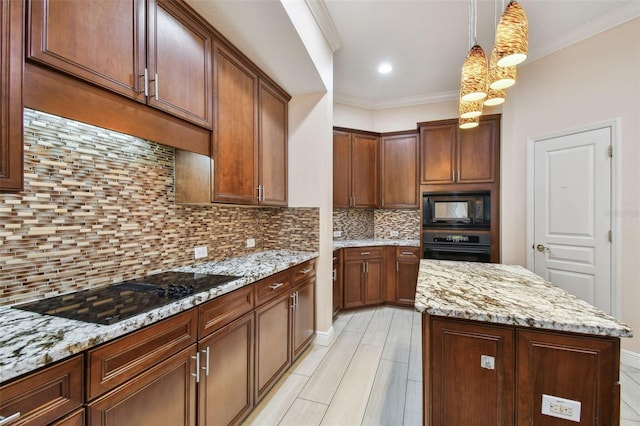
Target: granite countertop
507, 294
338, 244
29, 340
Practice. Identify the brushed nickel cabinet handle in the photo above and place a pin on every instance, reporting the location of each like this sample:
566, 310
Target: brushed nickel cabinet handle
407, 252
146, 82
6, 420
364, 253
276, 286
305, 271
206, 362
197, 373
156, 83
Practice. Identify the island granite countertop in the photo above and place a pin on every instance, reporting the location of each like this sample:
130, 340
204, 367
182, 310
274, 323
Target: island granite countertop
29, 340
507, 294
338, 244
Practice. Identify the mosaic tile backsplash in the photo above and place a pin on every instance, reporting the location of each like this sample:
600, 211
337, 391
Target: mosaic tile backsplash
365, 224
98, 207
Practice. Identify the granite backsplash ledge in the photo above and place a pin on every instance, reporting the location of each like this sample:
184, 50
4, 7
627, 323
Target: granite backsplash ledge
98, 207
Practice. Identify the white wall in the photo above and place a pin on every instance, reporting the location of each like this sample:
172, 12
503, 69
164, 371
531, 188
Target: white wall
595, 80
311, 154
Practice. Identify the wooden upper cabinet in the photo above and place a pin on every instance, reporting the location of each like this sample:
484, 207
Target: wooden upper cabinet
356, 165
477, 152
153, 52
102, 42
179, 63
399, 171
453, 156
11, 67
341, 169
272, 179
235, 132
438, 153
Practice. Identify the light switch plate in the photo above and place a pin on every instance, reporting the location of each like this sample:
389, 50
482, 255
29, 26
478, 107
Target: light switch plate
561, 408
200, 252
251, 242
337, 233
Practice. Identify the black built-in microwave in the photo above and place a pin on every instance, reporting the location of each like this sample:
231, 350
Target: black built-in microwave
456, 210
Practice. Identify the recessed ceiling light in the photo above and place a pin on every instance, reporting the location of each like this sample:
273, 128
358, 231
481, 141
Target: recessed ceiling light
385, 68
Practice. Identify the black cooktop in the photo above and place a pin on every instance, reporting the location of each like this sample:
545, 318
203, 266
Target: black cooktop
117, 302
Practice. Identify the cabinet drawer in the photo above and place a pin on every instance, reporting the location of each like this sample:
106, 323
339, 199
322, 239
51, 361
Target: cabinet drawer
407, 253
272, 286
303, 271
45, 396
114, 363
363, 253
224, 309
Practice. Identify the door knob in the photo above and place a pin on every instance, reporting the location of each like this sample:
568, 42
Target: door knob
541, 248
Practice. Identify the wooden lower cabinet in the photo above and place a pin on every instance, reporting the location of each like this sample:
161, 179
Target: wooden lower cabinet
45, 396
476, 373
406, 274
363, 276
304, 315
74, 419
225, 392
163, 395
579, 368
273, 342
464, 390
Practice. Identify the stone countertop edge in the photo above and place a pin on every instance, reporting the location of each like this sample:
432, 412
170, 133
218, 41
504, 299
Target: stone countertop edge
29, 341
338, 244
509, 295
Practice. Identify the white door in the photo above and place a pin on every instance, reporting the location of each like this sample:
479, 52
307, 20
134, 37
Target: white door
572, 220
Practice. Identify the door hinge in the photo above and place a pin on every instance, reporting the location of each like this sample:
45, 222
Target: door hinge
610, 237
610, 151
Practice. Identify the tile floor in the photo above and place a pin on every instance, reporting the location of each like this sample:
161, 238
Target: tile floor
371, 375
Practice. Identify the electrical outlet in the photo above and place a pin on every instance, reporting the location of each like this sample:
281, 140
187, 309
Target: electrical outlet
200, 252
337, 233
561, 408
487, 362
394, 234
251, 242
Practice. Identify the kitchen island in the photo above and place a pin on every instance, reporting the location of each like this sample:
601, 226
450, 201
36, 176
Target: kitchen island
501, 346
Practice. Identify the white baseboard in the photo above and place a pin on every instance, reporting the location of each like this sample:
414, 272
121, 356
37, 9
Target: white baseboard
629, 358
324, 338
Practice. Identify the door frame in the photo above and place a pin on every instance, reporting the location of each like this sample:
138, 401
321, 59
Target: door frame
614, 126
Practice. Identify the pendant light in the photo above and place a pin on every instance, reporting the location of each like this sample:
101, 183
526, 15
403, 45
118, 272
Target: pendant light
470, 109
473, 83
500, 77
468, 123
495, 97
512, 36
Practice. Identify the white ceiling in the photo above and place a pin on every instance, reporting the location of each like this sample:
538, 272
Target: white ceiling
425, 40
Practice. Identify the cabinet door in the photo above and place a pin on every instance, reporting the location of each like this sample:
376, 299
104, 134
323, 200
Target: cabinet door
341, 170
235, 131
353, 283
406, 277
226, 392
71, 36
364, 171
437, 153
74, 419
373, 287
304, 315
11, 65
399, 164
273, 350
179, 63
472, 374
44, 396
579, 368
477, 153
273, 146
163, 395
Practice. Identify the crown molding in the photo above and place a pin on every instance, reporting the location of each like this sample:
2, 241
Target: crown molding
322, 16
590, 29
406, 101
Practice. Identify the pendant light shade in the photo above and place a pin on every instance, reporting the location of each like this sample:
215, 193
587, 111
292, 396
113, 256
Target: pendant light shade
512, 36
500, 77
468, 123
473, 85
495, 97
470, 109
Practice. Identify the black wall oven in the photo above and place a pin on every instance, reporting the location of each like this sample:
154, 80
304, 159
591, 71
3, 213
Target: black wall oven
455, 226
